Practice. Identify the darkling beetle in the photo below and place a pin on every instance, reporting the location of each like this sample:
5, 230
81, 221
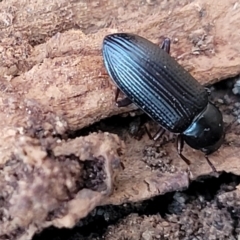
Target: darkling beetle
164, 90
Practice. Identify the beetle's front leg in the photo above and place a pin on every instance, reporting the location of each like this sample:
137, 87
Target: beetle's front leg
210, 164
180, 144
123, 102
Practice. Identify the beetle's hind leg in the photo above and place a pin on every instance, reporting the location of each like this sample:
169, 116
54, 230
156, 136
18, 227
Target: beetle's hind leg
123, 102
166, 45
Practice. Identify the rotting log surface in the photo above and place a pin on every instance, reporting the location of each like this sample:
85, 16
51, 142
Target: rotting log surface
55, 184
53, 83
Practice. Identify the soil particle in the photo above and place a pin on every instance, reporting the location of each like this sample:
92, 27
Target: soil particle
153, 157
94, 174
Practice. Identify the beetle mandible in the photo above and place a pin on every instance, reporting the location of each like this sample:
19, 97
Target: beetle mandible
155, 82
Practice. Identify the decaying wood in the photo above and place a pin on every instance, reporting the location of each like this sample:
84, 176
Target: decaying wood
206, 36
61, 85
56, 184
39, 20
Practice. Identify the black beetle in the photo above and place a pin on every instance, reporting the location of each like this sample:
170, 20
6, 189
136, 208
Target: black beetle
163, 89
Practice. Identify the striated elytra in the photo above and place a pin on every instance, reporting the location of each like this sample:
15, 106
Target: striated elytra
164, 90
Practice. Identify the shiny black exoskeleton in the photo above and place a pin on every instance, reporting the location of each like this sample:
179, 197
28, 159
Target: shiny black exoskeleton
163, 89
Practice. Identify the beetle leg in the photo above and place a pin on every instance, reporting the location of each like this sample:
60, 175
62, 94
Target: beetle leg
148, 133
123, 102
157, 135
210, 164
208, 90
180, 144
166, 45
117, 94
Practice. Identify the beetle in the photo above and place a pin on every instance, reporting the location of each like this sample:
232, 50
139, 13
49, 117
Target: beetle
157, 84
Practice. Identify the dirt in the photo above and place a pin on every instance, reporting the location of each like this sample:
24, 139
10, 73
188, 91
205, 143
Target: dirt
208, 209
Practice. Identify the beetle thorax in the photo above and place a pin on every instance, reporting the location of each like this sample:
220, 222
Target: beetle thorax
206, 131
